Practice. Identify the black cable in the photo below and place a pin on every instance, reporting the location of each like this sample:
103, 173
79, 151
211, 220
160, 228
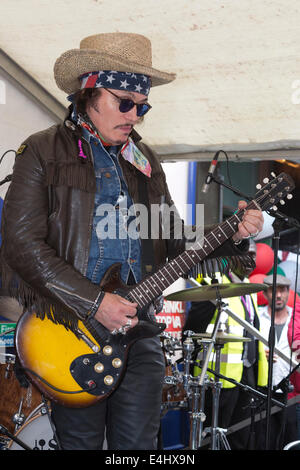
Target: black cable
69, 392
227, 165
7, 151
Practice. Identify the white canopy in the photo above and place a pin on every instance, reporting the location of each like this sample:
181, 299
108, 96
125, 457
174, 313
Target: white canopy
237, 65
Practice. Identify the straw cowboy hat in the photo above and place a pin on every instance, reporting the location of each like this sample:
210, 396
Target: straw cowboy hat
123, 52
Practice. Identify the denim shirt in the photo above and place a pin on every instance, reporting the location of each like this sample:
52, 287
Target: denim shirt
110, 241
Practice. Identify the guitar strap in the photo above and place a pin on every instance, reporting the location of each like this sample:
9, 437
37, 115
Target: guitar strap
148, 259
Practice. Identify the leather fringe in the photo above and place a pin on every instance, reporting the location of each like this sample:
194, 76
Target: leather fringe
33, 302
71, 173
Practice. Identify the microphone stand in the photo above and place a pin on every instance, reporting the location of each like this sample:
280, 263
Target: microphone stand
235, 191
277, 225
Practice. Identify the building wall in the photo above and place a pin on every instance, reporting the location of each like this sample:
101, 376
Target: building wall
20, 116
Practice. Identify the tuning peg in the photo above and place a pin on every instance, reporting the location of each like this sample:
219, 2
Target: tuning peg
275, 208
258, 186
289, 196
273, 174
265, 180
282, 202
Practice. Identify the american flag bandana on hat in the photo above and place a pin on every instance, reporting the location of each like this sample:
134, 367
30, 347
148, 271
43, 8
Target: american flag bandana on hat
117, 81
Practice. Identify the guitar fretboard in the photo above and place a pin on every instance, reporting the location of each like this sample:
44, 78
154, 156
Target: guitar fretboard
151, 287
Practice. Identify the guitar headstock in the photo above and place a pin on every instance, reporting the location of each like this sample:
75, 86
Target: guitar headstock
274, 191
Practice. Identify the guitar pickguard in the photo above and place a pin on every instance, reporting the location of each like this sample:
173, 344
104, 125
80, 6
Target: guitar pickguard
99, 373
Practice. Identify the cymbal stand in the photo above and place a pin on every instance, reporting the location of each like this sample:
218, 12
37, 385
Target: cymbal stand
197, 416
218, 436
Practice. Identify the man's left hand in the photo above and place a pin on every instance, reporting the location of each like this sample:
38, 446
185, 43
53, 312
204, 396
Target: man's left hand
251, 224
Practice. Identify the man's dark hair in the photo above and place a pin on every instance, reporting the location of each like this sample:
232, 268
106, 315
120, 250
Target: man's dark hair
85, 98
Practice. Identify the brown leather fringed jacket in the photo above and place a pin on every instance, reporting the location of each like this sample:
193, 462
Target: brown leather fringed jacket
47, 222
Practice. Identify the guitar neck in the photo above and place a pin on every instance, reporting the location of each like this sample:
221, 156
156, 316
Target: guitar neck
151, 287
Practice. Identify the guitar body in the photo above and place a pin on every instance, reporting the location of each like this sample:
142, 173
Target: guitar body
77, 370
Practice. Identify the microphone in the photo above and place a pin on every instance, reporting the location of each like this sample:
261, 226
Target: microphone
210, 173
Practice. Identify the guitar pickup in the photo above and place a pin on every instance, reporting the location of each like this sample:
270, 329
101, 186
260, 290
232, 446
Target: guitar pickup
94, 347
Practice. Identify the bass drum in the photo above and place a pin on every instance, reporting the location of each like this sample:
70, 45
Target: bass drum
14, 398
36, 432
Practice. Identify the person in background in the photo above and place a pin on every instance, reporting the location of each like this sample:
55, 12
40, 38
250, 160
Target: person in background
283, 423
294, 342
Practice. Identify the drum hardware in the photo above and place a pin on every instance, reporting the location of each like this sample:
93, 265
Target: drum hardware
196, 387
169, 343
216, 341
13, 438
199, 384
19, 418
37, 431
188, 349
174, 396
9, 361
45, 410
222, 338
218, 435
197, 400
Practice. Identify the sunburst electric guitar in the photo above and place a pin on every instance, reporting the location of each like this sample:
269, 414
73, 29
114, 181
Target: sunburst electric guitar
79, 369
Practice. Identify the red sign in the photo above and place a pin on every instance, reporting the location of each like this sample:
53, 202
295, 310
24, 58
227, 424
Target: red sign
173, 315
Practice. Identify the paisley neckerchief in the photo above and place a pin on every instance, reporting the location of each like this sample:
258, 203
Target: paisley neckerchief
129, 150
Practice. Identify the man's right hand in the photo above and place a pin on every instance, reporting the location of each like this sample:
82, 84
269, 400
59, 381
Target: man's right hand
114, 312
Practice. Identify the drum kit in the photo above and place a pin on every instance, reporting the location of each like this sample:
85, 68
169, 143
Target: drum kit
182, 388
25, 422
24, 414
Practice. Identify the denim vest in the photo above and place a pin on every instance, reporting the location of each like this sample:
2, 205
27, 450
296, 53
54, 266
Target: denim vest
110, 241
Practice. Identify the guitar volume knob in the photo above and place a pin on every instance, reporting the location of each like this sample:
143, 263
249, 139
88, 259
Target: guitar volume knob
108, 380
98, 367
107, 350
117, 362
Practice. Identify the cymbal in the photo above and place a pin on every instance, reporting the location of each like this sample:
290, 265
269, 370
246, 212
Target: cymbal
222, 337
212, 292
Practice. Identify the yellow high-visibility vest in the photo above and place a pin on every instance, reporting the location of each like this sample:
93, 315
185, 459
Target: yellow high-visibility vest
231, 362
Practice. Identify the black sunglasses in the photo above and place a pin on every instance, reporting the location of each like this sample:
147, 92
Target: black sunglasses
126, 105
